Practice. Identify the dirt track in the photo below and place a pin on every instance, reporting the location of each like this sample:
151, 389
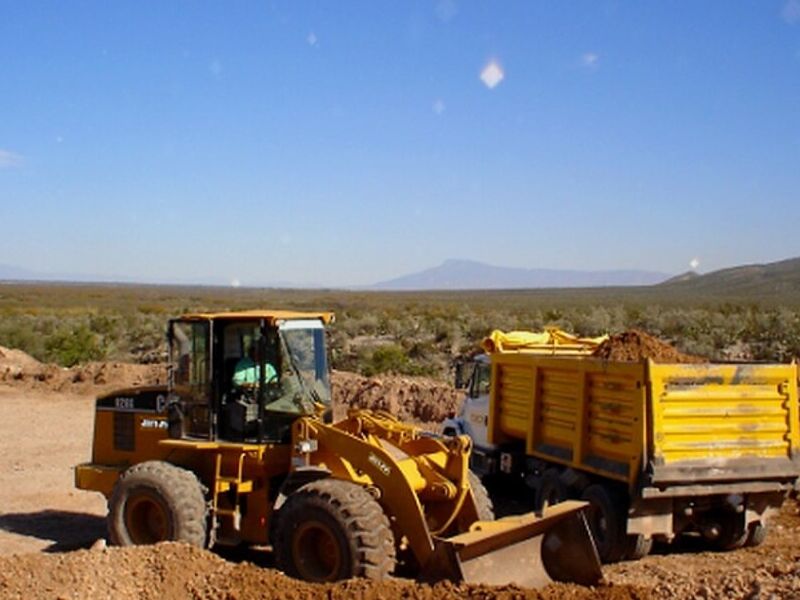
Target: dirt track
47, 428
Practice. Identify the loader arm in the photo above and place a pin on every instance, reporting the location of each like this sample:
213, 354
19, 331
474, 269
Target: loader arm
363, 460
422, 483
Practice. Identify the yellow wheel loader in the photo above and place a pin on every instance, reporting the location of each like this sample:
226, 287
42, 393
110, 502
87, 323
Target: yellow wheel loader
239, 448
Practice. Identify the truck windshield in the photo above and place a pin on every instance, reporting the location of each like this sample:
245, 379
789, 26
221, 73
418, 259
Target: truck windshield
305, 343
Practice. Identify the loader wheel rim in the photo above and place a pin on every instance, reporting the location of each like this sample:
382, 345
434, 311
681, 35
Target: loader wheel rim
316, 552
147, 518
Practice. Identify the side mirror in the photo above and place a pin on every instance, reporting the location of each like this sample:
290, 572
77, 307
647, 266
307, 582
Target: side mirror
459, 382
175, 417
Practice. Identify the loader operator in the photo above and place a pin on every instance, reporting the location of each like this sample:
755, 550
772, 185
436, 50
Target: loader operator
247, 372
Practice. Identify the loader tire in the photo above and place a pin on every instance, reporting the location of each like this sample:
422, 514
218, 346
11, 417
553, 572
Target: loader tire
606, 517
155, 502
483, 502
552, 490
330, 530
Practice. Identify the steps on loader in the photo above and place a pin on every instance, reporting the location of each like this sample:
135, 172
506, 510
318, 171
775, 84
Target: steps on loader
228, 489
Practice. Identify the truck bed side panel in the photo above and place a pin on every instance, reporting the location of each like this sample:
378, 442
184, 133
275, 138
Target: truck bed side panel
585, 413
723, 422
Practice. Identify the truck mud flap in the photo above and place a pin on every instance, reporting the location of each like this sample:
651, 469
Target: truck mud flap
529, 551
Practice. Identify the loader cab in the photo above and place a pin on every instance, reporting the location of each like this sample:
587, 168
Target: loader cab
246, 377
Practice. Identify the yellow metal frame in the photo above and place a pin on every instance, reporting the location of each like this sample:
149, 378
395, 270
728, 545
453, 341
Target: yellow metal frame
421, 482
271, 316
598, 416
572, 411
702, 412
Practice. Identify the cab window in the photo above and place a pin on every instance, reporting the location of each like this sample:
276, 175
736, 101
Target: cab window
481, 377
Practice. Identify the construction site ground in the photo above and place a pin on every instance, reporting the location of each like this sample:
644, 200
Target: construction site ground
47, 527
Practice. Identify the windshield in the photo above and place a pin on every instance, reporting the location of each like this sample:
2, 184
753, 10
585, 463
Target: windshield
305, 343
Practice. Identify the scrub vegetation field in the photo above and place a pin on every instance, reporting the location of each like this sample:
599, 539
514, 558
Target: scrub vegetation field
51, 534
412, 333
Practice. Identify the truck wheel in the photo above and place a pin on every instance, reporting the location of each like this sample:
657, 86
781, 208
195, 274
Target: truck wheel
330, 530
733, 534
483, 501
606, 516
155, 502
756, 534
552, 490
637, 546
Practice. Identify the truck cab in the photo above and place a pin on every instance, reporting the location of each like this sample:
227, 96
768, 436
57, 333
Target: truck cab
474, 377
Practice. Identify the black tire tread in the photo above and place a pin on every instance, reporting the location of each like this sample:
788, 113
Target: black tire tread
483, 502
637, 546
733, 533
614, 548
551, 482
361, 517
756, 534
182, 492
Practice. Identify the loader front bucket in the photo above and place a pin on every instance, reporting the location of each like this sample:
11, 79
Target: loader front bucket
529, 550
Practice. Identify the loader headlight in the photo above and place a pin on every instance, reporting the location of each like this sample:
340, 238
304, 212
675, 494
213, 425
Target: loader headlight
307, 446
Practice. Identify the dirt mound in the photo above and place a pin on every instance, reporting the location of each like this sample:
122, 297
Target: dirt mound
412, 399
22, 369
168, 571
416, 399
635, 345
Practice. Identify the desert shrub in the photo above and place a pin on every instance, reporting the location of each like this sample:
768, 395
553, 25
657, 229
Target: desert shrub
19, 333
386, 359
391, 358
72, 346
423, 331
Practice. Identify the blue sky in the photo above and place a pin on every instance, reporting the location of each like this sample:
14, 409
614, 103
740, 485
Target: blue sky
343, 143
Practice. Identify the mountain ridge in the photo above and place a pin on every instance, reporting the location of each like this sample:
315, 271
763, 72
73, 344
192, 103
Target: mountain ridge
464, 274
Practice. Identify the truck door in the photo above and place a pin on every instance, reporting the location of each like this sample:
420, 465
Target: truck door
476, 407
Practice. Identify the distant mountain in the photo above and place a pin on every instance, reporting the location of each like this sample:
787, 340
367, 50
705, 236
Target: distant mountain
687, 276
457, 274
782, 277
16, 274
9, 273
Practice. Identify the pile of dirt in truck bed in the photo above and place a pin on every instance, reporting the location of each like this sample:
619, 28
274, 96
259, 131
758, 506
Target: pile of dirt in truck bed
636, 345
170, 571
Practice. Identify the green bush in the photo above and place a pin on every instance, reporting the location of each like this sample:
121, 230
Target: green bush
391, 358
69, 347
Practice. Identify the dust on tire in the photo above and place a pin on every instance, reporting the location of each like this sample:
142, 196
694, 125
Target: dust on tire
351, 516
176, 490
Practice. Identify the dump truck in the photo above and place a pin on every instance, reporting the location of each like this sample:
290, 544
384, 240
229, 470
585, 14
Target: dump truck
239, 447
658, 450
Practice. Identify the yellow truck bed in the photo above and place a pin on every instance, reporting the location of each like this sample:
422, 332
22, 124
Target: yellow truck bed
649, 424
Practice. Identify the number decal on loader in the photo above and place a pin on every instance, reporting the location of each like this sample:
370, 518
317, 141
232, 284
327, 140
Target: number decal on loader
380, 464
124, 402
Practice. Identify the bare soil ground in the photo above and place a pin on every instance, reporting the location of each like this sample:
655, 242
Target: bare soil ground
46, 525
